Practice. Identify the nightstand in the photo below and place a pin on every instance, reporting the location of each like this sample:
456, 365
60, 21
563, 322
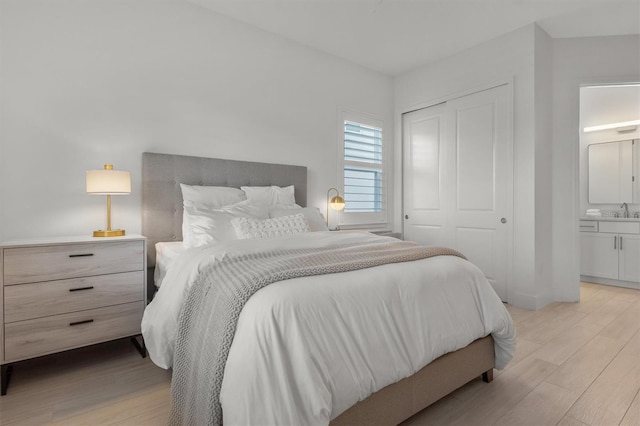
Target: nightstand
61, 294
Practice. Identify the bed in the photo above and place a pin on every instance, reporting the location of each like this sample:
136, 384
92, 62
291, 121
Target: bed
391, 403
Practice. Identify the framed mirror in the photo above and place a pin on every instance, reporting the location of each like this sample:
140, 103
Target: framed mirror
613, 167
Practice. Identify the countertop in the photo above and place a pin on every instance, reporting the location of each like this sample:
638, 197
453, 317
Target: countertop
611, 219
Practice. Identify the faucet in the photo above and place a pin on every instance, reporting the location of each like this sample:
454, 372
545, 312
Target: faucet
626, 209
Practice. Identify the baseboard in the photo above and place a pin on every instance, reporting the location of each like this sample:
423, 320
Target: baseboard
607, 281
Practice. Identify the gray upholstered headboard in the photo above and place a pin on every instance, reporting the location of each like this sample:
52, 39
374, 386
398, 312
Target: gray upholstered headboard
162, 175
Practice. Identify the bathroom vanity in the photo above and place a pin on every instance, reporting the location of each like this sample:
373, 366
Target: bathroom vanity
610, 251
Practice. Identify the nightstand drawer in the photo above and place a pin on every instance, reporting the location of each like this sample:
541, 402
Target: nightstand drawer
35, 300
49, 263
41, 336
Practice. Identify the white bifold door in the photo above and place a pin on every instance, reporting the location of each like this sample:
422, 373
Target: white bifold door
457, 179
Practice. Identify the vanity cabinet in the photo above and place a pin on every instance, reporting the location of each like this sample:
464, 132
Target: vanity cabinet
629, 257
599, 256
611, 250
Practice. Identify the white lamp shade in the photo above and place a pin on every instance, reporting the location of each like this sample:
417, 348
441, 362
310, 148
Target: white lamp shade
337, 203
108, 182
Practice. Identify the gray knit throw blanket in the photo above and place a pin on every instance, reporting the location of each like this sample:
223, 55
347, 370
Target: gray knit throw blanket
210, 314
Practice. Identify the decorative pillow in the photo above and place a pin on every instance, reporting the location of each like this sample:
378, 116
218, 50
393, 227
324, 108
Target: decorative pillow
311, 214
211, 196
270, 195
254, 228
208, 226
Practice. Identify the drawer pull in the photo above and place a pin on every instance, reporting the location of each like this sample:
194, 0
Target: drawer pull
80, 322
81, 288
81, 255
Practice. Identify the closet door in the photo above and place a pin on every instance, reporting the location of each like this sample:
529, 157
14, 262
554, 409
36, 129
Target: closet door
481, 179
458, 179
423, 176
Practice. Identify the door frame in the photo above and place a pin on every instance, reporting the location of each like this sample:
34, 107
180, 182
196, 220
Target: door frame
509, 82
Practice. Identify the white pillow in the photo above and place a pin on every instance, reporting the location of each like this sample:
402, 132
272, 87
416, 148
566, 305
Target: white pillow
206, 196
311, 214
289, 207
254, 228
211, 196
270, 195
207, 226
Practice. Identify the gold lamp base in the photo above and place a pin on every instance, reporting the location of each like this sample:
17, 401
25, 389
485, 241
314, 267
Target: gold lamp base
109, 233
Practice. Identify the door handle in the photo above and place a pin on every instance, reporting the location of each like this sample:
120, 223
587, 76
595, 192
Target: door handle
620, 242
406, 216
503, 220
615, 242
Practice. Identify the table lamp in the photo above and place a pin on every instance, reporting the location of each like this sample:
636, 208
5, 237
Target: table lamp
336, 203
108, 182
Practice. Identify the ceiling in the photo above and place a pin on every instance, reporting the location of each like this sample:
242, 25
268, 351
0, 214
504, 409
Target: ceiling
395, 36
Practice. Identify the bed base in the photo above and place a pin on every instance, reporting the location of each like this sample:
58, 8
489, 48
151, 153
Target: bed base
397, 402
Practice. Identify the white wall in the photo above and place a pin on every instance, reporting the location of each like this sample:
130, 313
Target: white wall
604, 105
578, 61
543, 93
547, 74
510, 57
86, 83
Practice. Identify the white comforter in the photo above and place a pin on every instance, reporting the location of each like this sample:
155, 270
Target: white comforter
307, 349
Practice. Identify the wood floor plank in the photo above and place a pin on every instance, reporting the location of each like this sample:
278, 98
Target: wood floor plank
130, 410
551, 326
625, 325
632, 416
569, 421
589, 285
608, 312
24, 415
629, 294
592, 300
565, 344
545, 405
534, 319
609, 397
583, 367
487, 405
524, 348
117, 385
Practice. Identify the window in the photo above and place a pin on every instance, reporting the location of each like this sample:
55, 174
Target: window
362, 170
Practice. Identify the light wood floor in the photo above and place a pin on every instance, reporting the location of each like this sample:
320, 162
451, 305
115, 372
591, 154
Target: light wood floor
576, 364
